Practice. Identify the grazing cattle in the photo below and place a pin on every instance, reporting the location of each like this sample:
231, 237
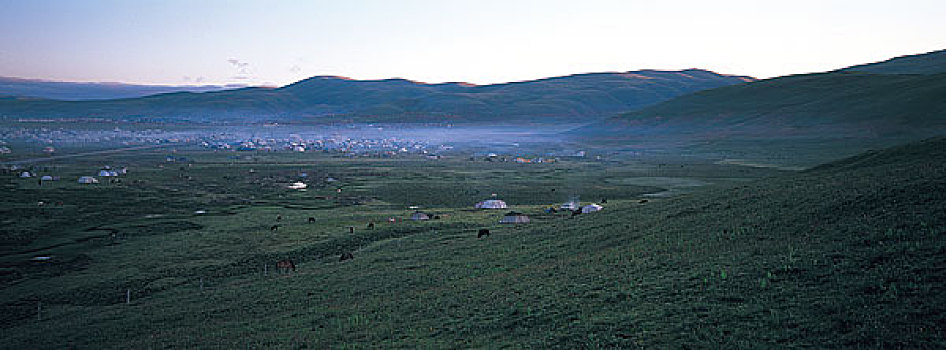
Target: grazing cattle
311, 219
278, 217
642, 201
274, 228
351, 229
285, 265
346, 256
604, 200
436, 217
483, 232
371, 226
576, 212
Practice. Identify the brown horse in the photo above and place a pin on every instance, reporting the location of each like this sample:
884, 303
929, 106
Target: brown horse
285, 265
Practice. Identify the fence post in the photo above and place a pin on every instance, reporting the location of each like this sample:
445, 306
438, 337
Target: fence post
265, 270
128, 296
39, 310
201, 284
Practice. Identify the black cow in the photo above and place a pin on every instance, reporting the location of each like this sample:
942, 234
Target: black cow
483, 232
346, 256
274, 228
311, 219
371, 226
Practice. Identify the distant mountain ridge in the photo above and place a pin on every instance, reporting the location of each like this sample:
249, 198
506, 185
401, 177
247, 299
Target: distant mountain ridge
588, 96
77, 91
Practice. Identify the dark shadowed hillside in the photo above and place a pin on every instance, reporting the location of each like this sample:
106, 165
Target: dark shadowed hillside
583, 96
926, 63
829, 104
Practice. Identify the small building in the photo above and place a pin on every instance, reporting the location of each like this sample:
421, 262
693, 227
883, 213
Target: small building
571, 205
26, 174
591, 208
46, 178
88, 180
514, 218
297, 185
491, 204
419, 216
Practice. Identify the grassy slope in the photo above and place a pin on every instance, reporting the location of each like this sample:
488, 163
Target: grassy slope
848, 254
828, 104
926, 63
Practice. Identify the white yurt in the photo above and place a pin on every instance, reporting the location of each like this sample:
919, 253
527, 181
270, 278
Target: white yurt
46, 178
419, 216
26, 174
572, 204
491, 204
297, 186
514, 218
88, 180
591, 208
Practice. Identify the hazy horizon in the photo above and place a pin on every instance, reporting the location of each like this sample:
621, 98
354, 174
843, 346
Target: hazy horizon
274, 44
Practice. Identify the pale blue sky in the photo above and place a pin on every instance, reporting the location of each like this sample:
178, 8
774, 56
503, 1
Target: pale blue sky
483, 41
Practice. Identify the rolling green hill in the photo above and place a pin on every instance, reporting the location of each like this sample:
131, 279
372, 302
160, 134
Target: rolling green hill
839, 104
586, 96
926, 63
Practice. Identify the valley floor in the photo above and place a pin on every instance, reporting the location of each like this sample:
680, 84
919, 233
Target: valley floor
183, 254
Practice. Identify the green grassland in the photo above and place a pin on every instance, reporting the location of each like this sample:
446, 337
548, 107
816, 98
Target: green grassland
848, 254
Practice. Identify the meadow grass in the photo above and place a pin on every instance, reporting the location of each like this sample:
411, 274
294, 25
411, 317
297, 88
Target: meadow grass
845, 255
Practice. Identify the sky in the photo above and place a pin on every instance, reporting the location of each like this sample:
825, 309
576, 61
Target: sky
274, 43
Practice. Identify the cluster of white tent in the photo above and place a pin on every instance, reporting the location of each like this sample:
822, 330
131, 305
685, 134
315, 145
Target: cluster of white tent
27, 174
106, 171
520, 218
